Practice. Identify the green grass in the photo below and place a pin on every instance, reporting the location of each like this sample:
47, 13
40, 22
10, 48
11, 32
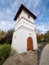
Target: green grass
43, 43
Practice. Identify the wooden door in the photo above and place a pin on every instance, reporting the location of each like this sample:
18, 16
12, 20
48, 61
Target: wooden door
29, 43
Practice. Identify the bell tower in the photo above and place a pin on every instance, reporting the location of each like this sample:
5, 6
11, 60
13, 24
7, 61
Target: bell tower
24, 29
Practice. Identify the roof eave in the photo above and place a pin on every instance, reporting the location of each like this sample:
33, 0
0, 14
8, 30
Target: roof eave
19, 11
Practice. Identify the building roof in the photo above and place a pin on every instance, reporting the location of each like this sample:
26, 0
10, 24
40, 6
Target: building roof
22, 7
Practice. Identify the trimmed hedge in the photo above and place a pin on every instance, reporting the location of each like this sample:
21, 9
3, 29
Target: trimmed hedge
4, 51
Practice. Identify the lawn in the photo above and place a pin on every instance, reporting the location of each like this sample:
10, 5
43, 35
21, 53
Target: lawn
43, 42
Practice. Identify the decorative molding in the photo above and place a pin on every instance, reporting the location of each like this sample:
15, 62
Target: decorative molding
23, 18
23, 27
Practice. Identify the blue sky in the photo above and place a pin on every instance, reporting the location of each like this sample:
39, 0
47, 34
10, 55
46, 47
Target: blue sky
8, 9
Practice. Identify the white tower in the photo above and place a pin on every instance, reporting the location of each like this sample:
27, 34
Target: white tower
24, 36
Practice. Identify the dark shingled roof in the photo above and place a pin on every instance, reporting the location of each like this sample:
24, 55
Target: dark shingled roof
22, 7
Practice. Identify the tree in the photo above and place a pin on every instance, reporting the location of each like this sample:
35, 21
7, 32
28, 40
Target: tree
0, 35
40, 37
6, 37
46, 36
9, 36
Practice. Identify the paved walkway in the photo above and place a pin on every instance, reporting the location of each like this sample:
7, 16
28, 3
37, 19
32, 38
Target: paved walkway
44, 60
29, 58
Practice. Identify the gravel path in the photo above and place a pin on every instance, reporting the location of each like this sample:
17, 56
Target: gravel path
44, 60
29, 58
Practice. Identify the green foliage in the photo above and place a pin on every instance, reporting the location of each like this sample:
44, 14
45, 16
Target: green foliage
4, 51
46, 36
43, 37
43, 43
9, 36
6, 37
40, 37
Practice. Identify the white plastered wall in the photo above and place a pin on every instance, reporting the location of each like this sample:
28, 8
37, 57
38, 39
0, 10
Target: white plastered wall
19, 41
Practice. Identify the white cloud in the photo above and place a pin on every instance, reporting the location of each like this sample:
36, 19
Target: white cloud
37, 6
6, 14
36, 2
42, 28
16, 4
33, 3
6, 25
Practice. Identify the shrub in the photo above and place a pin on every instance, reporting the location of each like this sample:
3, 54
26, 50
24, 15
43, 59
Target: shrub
4, 51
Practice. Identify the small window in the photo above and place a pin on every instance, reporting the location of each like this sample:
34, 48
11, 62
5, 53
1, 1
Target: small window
28, 16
